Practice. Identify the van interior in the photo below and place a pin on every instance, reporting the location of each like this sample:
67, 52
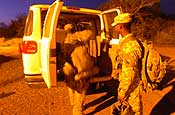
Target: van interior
97, 49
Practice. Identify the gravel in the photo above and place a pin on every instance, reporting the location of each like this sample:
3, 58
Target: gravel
17, 98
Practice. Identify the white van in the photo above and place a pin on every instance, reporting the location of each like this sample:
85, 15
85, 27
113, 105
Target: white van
44, 35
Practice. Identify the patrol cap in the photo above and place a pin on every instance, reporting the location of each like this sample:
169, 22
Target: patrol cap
122, 18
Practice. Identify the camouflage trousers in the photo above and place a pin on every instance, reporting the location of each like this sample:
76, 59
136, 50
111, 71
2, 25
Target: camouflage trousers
131, 106
77, 100
135, 101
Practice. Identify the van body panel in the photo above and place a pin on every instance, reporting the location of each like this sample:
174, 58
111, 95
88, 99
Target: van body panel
48, 61
32, 62
43, 63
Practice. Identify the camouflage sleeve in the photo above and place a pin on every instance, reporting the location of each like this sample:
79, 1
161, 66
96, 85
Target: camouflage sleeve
131, 53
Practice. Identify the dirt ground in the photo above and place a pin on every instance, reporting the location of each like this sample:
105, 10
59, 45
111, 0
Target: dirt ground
17, 98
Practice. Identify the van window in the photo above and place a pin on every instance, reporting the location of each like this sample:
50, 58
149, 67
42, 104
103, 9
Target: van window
108, 19
29, 24
48, 21
81, 22
43, 15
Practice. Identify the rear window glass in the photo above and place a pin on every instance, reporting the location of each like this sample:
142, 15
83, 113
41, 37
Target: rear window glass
80, 22
29, 24
43, 15
108, 20
48, 20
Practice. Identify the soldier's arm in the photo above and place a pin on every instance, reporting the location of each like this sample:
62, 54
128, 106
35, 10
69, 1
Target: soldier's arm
130, 70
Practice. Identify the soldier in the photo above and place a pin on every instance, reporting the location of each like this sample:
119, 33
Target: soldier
128, 68
79, 66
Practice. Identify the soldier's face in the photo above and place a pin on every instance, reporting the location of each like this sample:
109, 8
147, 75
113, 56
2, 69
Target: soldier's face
117, 28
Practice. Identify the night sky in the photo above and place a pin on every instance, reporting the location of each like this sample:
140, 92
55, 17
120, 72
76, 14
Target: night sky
168, 7
10, 9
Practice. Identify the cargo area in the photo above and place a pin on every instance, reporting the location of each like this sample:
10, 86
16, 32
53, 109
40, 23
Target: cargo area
82, 24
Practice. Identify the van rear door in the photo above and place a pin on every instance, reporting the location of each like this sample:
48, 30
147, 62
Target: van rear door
48, 45
108, 17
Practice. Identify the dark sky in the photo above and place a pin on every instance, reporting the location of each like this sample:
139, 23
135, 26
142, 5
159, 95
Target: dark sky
10, 9
168, 7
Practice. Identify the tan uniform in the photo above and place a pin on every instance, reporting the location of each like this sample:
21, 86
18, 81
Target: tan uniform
130, 81
78, 69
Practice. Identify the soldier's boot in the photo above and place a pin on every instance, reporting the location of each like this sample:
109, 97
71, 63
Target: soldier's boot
78, 103
138, 113
71, 95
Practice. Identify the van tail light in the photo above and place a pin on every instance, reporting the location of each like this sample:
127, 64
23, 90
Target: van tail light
28, 47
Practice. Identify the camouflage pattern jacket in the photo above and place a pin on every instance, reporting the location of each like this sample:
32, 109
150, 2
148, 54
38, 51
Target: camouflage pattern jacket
129, 56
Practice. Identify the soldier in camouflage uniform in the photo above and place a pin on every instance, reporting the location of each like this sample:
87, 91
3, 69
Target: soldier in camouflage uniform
127, 69
79, 66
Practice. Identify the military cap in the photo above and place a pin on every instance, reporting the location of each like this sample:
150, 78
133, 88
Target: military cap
122, 18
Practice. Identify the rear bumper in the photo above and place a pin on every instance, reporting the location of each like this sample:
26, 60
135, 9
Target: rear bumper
34, 78
35, 81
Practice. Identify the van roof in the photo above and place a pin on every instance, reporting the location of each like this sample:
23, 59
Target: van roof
69, 9
40, 6
80, 10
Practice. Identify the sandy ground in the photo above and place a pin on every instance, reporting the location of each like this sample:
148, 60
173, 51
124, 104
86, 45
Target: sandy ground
17, 98
9, 51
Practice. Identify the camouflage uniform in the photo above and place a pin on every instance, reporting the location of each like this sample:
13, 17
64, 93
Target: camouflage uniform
129, 55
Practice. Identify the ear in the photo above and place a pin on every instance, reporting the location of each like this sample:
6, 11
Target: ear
121, 26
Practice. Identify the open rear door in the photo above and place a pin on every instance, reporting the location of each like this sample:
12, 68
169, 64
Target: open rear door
108, 17
48, 44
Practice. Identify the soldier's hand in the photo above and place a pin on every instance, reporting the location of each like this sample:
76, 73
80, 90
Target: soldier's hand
115, 73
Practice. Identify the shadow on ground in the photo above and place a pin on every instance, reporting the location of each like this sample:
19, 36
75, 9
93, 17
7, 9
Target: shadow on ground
166, 105
10, 69
105, 101
3, 95
4, 59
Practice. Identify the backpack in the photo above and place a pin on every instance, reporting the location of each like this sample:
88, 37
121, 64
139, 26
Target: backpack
153, 67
